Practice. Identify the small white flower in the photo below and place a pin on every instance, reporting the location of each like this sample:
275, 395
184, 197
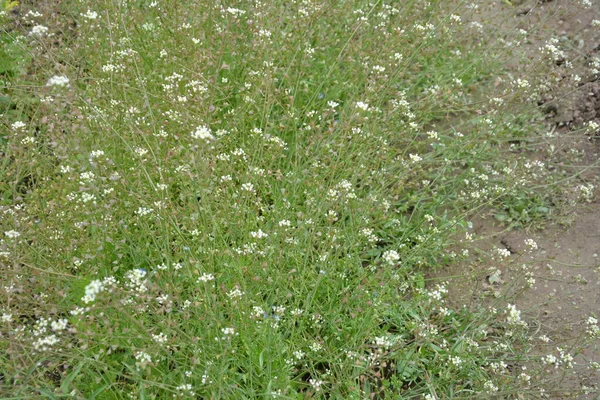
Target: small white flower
316, 347
531, 244
142, 360
92, 290
162, 267
235, 11
202, 132
299, 354
258, 234
513, 316
59, 325
235, 294
297, 312
550, 360
415, 158
140, 151
522, 83
56, 80
18, 125
12, 234
45, 343
161, 338
391, 257
248, 187
489, 387
90, 15
503, 253
593, 330
228, 331
362, 106
185, 390
206, 278
316, 384
96, 154
141, 211
39, 30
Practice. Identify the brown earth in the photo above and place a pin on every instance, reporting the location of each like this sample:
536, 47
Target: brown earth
566, 265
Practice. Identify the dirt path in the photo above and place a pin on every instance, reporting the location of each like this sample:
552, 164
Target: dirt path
564, 271
566, 292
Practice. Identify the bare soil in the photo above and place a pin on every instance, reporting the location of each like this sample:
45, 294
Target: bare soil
566, 265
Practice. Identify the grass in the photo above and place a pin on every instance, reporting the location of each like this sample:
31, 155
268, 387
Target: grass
245, 202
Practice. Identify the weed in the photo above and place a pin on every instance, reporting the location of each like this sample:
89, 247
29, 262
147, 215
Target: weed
215, 201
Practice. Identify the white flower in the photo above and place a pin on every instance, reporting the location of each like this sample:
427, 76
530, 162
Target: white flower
531, 244
489, 387
160, 338
228, 331
391, 257
415, 158
90, 15
522, 83
92, 290
248, 187
593, 330
235, 294
592, 127
137, 280
206, 278
185, 389
202, 132
39, 30
17, 125
43, 344
513, 316
59, 325
235, 11
96, 154
142, 360
550, 359
316, 346
58, 81
258, 234
140, 151
141, 211
316, 384
12, 234
299, 354
362, 106
503, 253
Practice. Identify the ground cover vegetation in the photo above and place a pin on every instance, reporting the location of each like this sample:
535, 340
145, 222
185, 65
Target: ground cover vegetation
211, 199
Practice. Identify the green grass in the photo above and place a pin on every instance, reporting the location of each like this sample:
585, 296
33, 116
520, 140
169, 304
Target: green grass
289, 211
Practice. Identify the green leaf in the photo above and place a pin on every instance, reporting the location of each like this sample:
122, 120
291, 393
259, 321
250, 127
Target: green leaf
65, 386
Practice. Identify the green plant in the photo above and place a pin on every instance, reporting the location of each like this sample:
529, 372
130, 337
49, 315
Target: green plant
245, 202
